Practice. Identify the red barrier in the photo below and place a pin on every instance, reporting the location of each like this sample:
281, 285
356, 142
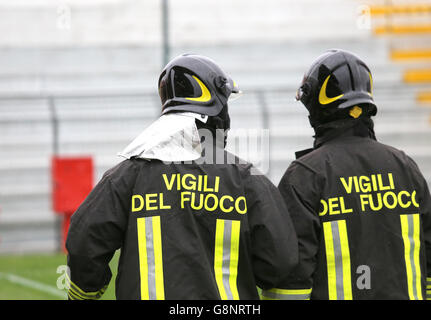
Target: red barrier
72, 181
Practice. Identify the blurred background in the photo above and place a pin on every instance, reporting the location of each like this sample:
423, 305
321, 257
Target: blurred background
79, 79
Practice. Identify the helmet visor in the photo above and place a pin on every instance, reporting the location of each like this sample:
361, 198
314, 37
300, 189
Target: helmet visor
235, 95
300, 91
235, 91
165, 89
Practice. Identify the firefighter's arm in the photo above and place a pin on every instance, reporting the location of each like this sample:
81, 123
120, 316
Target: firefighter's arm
96, 232
274, 243
299, 188
425, 207
424, 201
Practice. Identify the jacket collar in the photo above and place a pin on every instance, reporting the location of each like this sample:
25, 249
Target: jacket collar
362, 127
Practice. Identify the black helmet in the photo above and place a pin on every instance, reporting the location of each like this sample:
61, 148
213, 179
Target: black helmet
337, 85
195, 83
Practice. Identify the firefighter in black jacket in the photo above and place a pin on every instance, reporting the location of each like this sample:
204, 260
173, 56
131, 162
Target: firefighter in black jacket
361, 209
189, 223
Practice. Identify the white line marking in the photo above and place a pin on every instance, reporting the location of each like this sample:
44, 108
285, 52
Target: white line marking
33, 284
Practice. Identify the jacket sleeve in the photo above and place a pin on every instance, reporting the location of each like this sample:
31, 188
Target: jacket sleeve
273, 239
424, 200
300, 190
96, 232
425, 205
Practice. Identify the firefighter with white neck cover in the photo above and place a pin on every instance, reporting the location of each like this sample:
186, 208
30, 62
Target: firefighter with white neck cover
188, 227
361, 209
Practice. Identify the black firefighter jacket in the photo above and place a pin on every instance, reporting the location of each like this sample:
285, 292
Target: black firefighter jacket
186, 231
362, 213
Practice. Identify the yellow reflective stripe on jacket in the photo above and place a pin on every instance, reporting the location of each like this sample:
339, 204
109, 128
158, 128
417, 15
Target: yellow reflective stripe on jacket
286, 294
73, 296
428, 289
234, 256
150, 258
410, 231
338, 260
158, 260
226, 255
76, 293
